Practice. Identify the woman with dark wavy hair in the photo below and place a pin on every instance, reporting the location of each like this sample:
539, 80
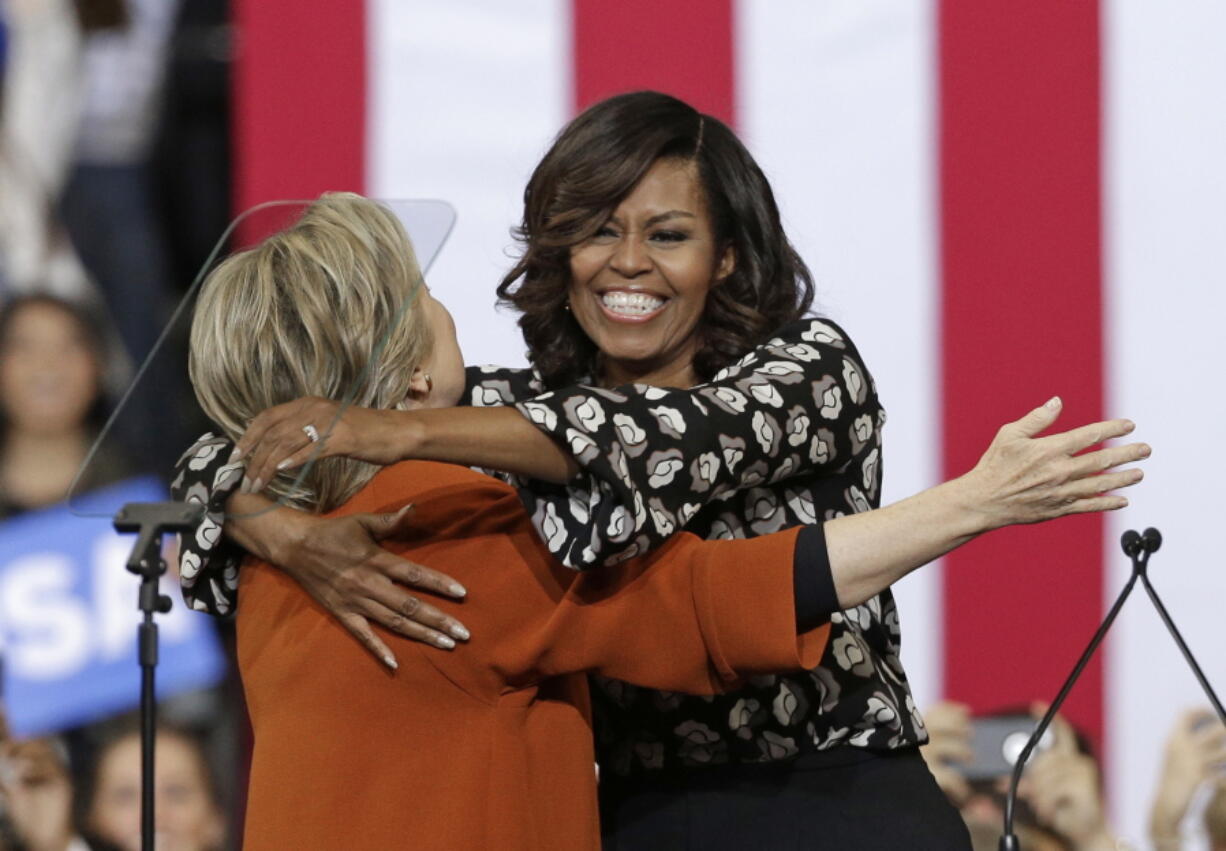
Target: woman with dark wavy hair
598, 160
675, 384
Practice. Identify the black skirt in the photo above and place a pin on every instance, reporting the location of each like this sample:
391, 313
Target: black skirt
845, 798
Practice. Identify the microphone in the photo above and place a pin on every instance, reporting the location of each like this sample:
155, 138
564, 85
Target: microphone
1151, 540
1138, 548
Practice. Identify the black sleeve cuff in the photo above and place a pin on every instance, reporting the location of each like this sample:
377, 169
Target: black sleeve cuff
812, 580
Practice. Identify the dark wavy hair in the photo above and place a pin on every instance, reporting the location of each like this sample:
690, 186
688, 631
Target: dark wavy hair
594, 163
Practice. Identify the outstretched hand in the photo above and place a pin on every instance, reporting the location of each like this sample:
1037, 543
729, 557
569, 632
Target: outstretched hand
340, 563
1024, 478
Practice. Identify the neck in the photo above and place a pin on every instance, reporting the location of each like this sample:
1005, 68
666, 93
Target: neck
679, 374
36, 468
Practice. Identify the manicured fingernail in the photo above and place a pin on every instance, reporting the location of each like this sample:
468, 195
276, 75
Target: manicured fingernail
460, 632
1053, 402
235, 456
390, 661
457, 590
257, 486
284, 465
444, 641
245, 487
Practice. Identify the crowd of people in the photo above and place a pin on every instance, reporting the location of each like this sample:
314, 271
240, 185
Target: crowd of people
100, 103
740, 419
1061, 800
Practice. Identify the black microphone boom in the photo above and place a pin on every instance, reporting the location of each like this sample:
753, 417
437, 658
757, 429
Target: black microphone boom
1138, 548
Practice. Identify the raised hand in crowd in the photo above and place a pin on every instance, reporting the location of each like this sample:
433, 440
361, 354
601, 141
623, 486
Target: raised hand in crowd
1195, 755
949, 746
1063, 788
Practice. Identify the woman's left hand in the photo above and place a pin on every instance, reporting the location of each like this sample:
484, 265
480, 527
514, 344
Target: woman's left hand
281, 437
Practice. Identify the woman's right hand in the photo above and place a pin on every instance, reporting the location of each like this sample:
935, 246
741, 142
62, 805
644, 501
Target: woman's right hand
1024, 478
340, 563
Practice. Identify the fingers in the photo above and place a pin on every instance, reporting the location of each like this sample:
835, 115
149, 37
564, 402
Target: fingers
360, 629
416, 576
279, 443
407, 613
1112, 456
1077, 439
383, 526
1040, 418
276, 436
387, 525
1097, 504
406, 621
1094, 485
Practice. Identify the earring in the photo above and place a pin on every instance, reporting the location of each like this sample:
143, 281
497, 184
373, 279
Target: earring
429, 382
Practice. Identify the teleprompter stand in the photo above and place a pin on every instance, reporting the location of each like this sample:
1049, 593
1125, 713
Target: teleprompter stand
151, 520
1138, 547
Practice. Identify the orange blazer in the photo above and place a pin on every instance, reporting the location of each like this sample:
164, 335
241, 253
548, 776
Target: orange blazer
489, 745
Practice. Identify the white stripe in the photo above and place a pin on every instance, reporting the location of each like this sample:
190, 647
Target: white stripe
836, 100
464, 97
1165, 256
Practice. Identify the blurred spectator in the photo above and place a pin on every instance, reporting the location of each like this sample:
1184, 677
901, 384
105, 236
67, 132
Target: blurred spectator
187, 811
1060, 805
1195, 758
36, 796
108, 203
39, 108
51, 403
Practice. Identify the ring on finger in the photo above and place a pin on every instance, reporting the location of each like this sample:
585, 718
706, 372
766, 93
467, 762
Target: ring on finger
311, 432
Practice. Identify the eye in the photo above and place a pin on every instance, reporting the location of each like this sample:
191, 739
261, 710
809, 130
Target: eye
605, 232
669, 236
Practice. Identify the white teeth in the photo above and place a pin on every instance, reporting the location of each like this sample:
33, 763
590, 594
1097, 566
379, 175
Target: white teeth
631, 304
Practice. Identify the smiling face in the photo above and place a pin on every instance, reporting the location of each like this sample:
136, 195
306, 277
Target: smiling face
49, 372
639, 285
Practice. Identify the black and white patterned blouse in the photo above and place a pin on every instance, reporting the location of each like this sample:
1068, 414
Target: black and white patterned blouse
789, 435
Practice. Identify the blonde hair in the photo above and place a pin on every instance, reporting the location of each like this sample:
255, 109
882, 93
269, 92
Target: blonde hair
327, 307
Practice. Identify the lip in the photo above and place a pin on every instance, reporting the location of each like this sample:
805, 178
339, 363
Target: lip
597, 295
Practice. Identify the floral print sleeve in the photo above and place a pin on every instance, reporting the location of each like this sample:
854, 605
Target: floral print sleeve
208, 563
653, 458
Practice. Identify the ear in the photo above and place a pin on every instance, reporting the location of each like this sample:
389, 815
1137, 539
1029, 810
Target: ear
727, 264
420, 385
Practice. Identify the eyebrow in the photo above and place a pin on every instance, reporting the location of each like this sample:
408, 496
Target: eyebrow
662, 217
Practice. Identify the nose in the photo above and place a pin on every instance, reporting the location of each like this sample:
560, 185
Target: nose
630, 258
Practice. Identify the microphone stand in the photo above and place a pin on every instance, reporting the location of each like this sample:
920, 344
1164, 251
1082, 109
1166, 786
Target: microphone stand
1138, 548
150, 520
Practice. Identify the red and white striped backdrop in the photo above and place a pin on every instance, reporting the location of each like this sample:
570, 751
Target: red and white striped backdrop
1002, 201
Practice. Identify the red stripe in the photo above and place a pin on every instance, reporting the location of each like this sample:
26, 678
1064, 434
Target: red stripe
1022, 320
299, 100
683, 48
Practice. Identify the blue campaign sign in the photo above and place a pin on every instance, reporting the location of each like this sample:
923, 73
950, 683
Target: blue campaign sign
68, 618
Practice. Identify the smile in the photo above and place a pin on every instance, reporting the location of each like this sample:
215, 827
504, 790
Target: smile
631, 306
